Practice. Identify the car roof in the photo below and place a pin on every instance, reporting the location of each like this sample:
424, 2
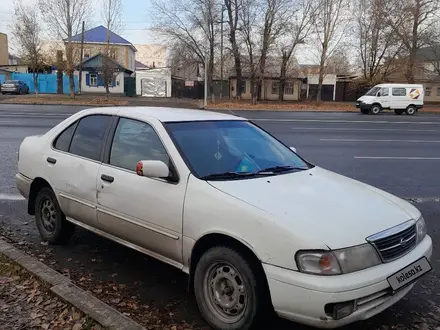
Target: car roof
400, 85
164, 114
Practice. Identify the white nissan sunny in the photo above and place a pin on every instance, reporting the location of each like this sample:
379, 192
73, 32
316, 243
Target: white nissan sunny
257, 227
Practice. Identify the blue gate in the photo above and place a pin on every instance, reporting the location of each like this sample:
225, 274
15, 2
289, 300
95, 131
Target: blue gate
47, 83
2, 78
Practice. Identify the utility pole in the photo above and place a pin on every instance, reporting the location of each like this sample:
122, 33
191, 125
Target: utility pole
221, 55
81, 58
205, 102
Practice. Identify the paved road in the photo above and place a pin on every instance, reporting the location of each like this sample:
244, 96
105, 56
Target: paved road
399, 154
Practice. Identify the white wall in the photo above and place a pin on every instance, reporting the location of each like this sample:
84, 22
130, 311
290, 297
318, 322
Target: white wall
154, 76
117, 89
329, 79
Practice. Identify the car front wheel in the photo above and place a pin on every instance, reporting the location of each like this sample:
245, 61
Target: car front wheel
51, 221
376, 109
226, 290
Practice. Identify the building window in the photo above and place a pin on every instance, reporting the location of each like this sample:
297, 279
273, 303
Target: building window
288, 88
399, 91
94, 79
113, 54
438, 91
243, 87
428, 91
275, 87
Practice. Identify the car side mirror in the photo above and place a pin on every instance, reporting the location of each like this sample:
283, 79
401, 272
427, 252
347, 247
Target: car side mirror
152, 169
293, 149
379, 95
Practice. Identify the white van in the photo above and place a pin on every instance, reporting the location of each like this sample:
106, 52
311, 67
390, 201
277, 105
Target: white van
398, 97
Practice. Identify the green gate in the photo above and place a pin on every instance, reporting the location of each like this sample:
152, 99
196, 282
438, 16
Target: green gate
130, 86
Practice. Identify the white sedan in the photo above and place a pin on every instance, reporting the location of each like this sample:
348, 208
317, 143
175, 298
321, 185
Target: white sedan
255, 226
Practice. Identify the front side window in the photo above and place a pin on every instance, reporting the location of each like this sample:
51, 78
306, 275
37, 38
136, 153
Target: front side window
135, 141
385, 91
216, 147
399, 91
89, 136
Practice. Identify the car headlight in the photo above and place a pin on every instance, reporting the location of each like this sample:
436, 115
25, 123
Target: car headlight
337, 262
421, 229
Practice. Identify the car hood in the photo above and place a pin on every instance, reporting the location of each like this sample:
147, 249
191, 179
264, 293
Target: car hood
365, 98
326, 207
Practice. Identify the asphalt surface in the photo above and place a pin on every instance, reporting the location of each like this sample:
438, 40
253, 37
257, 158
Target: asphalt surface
400, 154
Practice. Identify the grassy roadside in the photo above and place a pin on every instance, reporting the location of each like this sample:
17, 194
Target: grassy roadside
26, 303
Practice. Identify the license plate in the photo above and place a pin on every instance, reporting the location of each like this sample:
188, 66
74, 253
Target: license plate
409, 274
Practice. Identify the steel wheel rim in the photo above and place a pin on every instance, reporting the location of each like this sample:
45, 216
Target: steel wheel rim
375, 110
411, 111
226, 292
48, 215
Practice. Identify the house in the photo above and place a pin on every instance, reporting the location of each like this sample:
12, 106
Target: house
152, 55
271, 82
3, 49
95, 42
92, 80
140, 66
426, 72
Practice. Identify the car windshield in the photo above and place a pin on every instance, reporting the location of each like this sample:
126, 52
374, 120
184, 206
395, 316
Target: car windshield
373, 91
232, 150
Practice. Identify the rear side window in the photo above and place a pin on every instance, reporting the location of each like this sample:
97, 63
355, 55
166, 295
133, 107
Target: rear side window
63, 141
399, 91
89, 136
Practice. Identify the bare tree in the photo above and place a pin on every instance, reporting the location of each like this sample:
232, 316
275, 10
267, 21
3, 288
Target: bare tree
27, 31
413, 22
328, 25
298, 29
193, 23
112, 16
64, 18
233, 10
261, 25
378, 45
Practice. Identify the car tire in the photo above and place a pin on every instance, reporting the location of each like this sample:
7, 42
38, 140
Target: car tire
376, 109
365, 111
51, 221
399, 112
228, 291
411, 110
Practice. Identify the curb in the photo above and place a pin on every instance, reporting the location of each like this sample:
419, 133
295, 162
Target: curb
60, 285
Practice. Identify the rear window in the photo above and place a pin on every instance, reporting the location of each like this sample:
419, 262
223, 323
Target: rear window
399, 91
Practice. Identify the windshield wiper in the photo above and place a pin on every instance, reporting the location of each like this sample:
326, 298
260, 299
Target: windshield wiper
279, 169
227, 175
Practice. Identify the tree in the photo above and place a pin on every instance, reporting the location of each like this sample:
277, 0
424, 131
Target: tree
27, 31
64, 19
297, 31
111, 14
378, 45
328, 26
413, 22
233, 10
192, 23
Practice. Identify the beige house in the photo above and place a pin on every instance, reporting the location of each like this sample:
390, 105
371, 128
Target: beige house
4, 54
271, 82
152, 55
427, 72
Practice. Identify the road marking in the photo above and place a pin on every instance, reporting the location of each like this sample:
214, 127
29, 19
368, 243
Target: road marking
8, 197
372, 140
402, 158
348, 121
363, 129
8, 122
423, 199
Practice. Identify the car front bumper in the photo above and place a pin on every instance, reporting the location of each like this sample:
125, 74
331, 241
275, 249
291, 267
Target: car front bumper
23, 185
9, 90
361, 105
302, 298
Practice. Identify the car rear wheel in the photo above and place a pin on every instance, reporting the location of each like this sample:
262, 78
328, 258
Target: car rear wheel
227, 291
399, 112
375, 109
411, 110
51, 221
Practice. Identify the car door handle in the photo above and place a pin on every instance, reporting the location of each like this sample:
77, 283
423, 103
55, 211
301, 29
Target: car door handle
107, 178
51, 160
